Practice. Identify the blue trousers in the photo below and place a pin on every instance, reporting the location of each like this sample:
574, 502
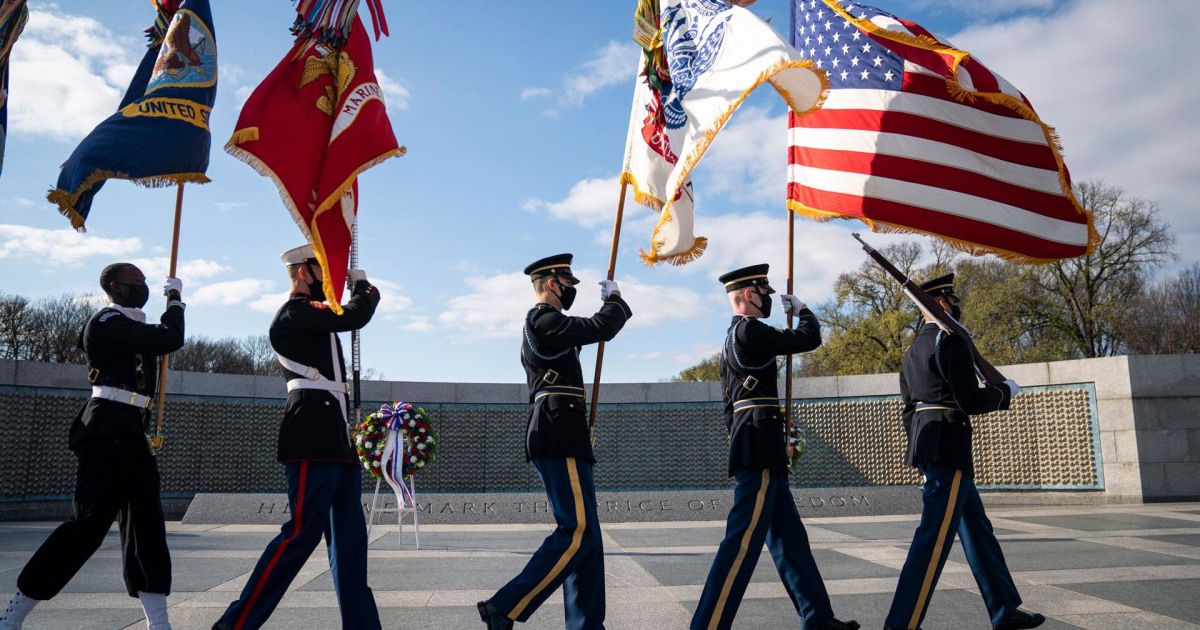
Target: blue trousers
571, 556
325, 500
951, 504
763, 511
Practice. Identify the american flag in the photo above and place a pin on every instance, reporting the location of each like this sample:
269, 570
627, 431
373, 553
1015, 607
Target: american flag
918, 136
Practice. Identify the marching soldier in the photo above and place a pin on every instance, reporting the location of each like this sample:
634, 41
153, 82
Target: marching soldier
763, 508
941, 392
324, 480
558, 443
117, 474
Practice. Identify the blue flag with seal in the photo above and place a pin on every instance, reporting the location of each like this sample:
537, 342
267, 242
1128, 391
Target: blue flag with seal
13, 15
160, 134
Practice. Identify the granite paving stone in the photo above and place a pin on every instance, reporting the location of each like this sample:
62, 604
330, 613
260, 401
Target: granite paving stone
1171, 598
1108, 522
1079, 565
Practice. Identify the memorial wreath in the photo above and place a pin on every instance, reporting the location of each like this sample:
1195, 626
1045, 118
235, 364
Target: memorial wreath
419, 444
796, 444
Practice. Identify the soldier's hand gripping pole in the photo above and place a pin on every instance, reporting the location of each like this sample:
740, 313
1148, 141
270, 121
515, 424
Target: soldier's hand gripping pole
931, 308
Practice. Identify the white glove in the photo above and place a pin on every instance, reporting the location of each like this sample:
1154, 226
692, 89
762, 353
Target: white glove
172, 284
792, 304
353, 276
1012, 387
607, 288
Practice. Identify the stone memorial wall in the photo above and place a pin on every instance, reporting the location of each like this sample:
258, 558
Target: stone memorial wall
1079, 428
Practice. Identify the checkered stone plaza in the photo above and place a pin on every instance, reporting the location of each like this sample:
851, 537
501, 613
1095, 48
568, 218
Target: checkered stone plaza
1092, 482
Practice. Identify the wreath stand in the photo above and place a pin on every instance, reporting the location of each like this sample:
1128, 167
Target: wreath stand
406, 493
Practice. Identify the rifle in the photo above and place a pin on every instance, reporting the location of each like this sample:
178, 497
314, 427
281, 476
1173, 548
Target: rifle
943, 319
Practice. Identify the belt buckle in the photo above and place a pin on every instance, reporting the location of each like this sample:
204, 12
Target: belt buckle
550, 377
133, 399
750, 382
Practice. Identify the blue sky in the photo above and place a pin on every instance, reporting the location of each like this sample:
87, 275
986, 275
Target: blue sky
515, 124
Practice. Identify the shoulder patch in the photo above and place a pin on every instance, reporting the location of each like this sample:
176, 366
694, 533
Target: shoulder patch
110, 314
316, 304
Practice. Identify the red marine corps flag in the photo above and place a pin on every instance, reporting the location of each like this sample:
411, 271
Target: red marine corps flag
313, 125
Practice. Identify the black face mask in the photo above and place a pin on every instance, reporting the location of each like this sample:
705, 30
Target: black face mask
567, 297
137, 294
956, 312
765, 298
316, 287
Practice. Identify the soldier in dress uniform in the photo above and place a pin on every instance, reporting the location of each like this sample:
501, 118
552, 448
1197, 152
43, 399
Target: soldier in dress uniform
763, 508
558, 442
117, 474
941, 390
324, 481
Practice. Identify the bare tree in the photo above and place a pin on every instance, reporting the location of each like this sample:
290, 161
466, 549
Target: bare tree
15, 326
58, 322
1083, 299
1167, 320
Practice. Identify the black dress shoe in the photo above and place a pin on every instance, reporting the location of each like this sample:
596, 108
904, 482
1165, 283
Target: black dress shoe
836, 624
1020, 620
494, 619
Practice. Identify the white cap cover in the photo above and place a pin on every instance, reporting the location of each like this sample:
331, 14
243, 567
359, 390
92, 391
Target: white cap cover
298, 255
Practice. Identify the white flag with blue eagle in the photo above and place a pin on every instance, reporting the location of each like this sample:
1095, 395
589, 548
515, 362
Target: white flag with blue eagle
716, 54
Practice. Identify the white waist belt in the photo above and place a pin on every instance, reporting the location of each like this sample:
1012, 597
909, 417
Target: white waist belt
121, 396
329, 386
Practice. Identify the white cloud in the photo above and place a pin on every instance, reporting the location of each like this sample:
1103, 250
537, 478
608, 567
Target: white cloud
494, 309
497, 305
242, 94
590, 202
186, 270
975, 8
692, 355
392, 299
225, 206
822, 250
535, 92
396, 95
419, 323
68, 74
653, 305
1122, 117
60, 247
18, 202
227, 293
269, 302
747, 162
613, 64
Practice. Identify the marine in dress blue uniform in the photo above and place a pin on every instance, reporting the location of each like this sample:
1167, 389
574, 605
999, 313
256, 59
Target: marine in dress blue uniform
558, 442
941, 390
117, 477
324, 481
763, 508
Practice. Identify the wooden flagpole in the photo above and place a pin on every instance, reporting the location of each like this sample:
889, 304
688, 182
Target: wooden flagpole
156, 440
612, 269
787, 387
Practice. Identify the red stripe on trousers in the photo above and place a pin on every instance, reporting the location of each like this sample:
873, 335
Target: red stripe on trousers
262, 579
